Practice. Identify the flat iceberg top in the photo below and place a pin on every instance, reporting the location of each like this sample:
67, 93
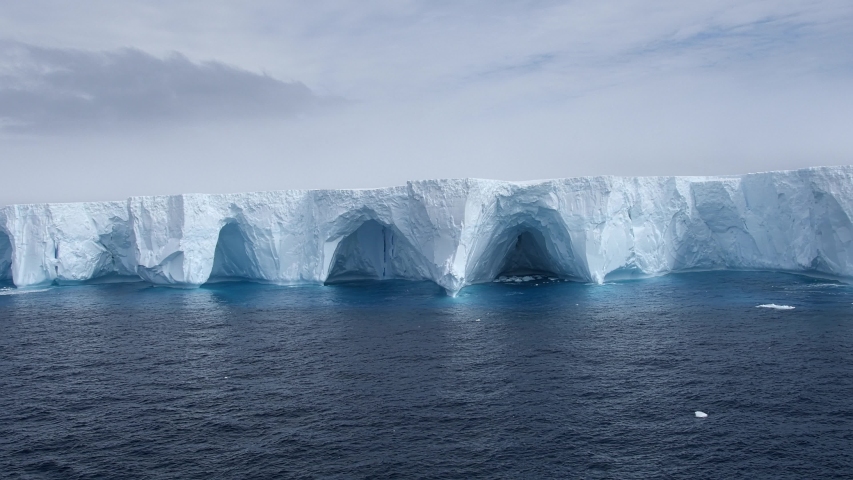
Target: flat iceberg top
454, 232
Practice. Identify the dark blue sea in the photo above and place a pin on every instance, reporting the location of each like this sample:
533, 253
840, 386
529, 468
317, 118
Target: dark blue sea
397, 380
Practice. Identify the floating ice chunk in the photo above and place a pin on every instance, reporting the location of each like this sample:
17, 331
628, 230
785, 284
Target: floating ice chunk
700, 414
776, 307
20, 291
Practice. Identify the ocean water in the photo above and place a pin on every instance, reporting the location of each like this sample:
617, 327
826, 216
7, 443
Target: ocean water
395, 379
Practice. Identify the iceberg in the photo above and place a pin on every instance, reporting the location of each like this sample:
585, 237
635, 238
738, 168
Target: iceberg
452, 232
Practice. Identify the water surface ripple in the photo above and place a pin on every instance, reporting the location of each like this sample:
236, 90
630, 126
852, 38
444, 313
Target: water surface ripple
395, 379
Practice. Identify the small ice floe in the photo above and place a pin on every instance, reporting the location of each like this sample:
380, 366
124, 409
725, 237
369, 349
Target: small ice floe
700, 414
522, 279
21, 291
776, 307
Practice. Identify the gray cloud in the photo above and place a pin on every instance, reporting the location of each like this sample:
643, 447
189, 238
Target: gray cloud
51, 89
480, 88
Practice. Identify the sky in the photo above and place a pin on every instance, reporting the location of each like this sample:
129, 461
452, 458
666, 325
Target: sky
101, 100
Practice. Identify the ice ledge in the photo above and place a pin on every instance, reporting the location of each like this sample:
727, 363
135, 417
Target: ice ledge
452, 232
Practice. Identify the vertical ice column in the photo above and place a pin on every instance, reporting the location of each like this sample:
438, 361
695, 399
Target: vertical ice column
175, 237
33, 259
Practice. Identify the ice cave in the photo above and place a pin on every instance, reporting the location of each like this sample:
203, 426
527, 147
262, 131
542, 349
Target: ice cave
372, 252
235, 256
532, 245
527, 255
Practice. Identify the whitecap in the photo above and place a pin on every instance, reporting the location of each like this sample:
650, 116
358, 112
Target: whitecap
776, 307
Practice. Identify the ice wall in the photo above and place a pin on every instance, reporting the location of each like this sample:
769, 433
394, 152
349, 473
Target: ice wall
453, 232
67, 243
5, 257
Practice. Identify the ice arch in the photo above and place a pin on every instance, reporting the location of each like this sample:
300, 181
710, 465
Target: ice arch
5, 257
235, 257
527, 246
527, 255
374, 251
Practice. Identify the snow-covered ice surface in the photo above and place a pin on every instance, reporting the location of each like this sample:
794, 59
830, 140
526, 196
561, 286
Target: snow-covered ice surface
453, 232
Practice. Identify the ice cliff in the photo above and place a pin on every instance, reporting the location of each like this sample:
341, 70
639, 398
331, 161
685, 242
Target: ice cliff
452, 232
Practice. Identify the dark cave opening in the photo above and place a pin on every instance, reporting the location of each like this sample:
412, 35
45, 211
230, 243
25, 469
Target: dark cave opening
234, 257
527, 255
365, 254
5, 258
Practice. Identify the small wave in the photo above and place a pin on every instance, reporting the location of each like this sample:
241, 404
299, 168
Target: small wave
17, 291
776, 307
816, 286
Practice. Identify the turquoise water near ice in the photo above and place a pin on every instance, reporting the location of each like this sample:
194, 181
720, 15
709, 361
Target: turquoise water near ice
396, 379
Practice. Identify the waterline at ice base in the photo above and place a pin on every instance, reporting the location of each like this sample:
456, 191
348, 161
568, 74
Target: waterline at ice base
452, 232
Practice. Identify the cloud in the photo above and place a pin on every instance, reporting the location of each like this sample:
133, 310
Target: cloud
497, 89
53, 89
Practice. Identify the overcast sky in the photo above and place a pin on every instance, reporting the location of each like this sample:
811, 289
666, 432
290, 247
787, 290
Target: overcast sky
102, 99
